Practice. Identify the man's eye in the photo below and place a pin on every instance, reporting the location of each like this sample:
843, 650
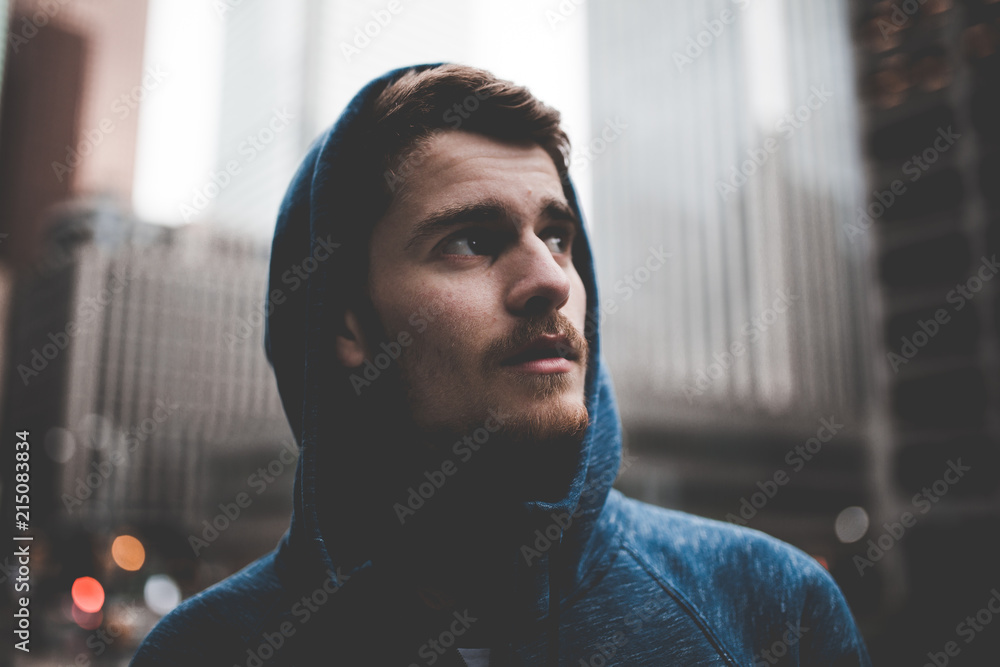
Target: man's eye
560, 240
469, 242
473, 242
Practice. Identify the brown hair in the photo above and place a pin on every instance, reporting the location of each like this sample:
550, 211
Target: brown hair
419, 104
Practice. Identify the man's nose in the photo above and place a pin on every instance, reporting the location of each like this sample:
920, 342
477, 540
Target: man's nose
538, 282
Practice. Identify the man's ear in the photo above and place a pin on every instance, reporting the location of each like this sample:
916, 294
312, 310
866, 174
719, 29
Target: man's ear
351, 346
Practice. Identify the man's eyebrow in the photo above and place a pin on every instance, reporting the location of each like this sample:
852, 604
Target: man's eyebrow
554, 209
453, 215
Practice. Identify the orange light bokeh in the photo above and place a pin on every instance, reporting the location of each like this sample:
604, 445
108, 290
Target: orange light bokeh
128, 553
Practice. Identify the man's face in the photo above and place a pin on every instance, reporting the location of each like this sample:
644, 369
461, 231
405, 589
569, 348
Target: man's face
473, 261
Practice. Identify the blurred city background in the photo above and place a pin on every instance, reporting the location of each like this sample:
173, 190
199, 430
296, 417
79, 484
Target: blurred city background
817, 359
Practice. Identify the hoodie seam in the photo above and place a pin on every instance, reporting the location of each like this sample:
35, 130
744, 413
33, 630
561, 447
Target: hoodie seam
683, 601
593, 577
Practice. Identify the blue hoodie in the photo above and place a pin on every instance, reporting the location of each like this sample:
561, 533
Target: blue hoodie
580, 575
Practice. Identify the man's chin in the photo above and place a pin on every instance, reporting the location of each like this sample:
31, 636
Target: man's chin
550, 420
541, 406
505, 423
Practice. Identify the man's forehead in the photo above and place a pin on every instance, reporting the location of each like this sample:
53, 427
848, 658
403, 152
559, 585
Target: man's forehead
456, 145
456, 167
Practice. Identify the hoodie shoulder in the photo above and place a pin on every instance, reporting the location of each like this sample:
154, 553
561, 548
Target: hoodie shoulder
750, 588
693, 547
215, 625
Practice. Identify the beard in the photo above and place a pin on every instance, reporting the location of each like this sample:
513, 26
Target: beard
507, 449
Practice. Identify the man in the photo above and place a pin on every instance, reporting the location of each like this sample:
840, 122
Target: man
440, 366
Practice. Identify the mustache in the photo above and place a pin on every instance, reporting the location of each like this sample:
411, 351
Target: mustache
528, 330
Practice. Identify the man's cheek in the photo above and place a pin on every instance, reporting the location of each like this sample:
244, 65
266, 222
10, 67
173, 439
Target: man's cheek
580, 298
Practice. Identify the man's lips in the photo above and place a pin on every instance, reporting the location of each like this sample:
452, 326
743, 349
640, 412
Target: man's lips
548, 346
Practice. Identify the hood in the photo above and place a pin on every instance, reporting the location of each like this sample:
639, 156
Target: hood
355, 466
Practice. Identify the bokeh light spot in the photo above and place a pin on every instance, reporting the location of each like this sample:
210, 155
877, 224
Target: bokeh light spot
96, 432
128, 552
88, 594
161, 594
851, 524
87, 621
60, 444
